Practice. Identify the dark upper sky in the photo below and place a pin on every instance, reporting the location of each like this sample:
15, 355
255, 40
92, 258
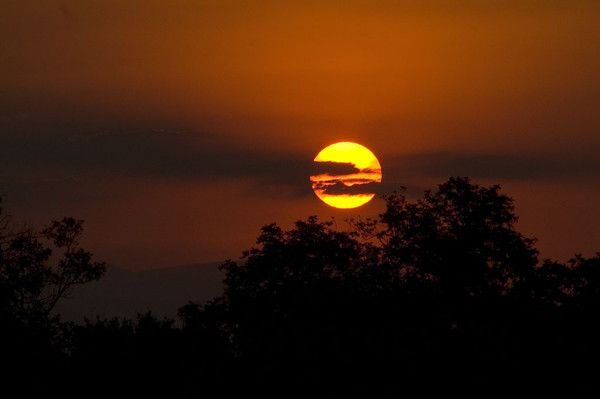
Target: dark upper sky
176, 129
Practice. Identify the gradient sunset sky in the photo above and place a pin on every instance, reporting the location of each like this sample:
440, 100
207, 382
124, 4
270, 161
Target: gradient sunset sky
176, 129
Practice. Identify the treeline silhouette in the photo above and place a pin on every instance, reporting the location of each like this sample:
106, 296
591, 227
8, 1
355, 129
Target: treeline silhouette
436, 295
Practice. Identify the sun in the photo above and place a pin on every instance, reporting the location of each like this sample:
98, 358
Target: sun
348, 177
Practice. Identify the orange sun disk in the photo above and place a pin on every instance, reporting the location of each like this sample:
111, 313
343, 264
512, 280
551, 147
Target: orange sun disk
368, 171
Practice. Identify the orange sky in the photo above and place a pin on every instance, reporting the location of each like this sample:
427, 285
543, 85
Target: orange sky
176, 129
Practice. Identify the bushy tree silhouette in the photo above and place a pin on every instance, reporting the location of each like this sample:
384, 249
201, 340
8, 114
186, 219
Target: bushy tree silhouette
462, 237
31, 281
37, 269
433, 293
439, 294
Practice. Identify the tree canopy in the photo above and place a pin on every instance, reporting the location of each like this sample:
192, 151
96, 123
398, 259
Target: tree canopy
436, 294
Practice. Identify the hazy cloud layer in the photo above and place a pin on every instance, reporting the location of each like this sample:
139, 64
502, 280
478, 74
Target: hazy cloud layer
148, 153
501, 165
205, 157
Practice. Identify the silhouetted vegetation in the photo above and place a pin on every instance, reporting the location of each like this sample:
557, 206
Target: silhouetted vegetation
441, 294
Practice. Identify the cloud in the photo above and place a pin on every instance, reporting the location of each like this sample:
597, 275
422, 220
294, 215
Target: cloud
501, 165
340, 188
209, 158
144, 152
333, 168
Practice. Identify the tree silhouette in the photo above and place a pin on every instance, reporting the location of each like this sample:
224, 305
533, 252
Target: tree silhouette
441, 288
437, 294
31, 280
37, 269
460, 237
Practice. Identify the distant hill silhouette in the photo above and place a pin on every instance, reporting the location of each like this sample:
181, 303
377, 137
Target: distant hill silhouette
124, 293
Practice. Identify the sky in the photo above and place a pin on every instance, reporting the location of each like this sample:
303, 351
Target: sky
177, 129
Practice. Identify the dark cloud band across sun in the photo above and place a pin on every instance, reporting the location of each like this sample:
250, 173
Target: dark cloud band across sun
198, 156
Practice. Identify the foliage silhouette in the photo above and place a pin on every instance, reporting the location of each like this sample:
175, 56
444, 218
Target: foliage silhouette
37, 269
440, 294
436, 293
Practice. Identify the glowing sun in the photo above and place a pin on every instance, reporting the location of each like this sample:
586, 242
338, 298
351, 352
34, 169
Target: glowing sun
348, 175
